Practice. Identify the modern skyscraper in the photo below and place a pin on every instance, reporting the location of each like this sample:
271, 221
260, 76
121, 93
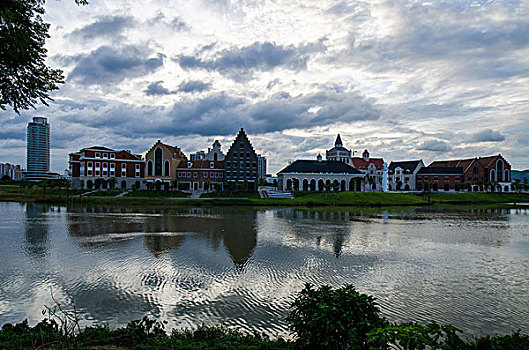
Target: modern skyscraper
38, 150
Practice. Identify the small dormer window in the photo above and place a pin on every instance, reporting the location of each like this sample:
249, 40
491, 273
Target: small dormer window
189, 164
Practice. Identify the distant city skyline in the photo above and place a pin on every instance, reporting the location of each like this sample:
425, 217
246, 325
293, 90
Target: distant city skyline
405, 80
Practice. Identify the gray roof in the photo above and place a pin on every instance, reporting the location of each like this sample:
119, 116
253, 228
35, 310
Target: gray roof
323, 167
410, 165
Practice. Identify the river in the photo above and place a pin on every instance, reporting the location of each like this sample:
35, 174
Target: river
243, 267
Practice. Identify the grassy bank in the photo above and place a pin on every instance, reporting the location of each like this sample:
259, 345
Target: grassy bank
303, 199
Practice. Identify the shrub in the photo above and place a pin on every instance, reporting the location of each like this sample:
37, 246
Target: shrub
333, 319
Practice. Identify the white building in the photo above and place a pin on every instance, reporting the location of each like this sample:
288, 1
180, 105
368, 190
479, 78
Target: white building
402, 175
319, 175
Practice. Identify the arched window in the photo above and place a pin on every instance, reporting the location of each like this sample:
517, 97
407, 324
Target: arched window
149, 168
166, 169
499, 169
507, 175
158, 157
215, 156
492, 175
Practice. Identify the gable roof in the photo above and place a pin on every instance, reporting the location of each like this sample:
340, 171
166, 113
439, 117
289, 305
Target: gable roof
323, 167
361, 162
410, 165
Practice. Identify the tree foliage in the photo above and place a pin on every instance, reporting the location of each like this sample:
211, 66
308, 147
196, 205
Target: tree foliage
324, 318
25, 79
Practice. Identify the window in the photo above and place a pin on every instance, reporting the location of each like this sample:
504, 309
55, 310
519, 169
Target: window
81, 169
212, 165
98, 155
112, 169
205, 174
447, 178
195, 174
228, 164
188, 174
149, 168
158, 158
137, 172
242, 144
212, 174
105, 169
189, 164
105, 155
97, 171
112, 156
435, 178
166, 169
123, 170
241, 154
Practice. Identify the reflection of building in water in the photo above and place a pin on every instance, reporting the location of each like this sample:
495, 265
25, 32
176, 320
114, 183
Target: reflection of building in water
167, 229
313, 226
36, 243
236, 229
240, 238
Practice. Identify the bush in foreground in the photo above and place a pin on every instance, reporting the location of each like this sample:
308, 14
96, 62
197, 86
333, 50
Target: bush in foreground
322, 318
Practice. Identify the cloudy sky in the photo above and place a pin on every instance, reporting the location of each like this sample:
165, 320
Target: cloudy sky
404, 79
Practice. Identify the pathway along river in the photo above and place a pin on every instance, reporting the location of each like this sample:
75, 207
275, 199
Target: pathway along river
243, 267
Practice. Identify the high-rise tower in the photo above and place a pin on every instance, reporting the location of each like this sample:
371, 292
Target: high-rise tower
38, 149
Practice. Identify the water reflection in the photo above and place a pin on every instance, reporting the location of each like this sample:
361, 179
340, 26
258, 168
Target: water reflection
167, 229
36, 239
243, 267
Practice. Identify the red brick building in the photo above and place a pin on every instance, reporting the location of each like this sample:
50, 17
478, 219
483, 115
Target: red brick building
440, 178
482, 171
201, 175
92, 163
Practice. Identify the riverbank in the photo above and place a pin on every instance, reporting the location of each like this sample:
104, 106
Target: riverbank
302, 199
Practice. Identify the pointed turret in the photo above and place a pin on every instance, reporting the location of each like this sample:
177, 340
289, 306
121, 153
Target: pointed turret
338, 142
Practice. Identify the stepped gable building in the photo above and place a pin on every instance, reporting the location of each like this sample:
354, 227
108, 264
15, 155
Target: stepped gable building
215, 153
161, 163
95, 162
482, 170
317, 175
441, 178
404, 173
201, 175
240, 163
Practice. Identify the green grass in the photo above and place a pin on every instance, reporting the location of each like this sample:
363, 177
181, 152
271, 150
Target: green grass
477, 197
251, 195
155, 194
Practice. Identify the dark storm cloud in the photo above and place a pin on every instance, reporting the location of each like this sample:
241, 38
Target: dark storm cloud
240, 62
107, 26
108, 64
222, 114
434, 146
156, 89
193, 86
487, 135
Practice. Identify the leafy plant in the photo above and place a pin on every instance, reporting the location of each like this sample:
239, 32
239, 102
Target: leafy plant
413, 336
333, 319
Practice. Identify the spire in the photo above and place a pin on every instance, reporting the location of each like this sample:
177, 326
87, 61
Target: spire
338, 142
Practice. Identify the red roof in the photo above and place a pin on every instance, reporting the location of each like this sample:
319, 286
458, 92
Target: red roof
360, 162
